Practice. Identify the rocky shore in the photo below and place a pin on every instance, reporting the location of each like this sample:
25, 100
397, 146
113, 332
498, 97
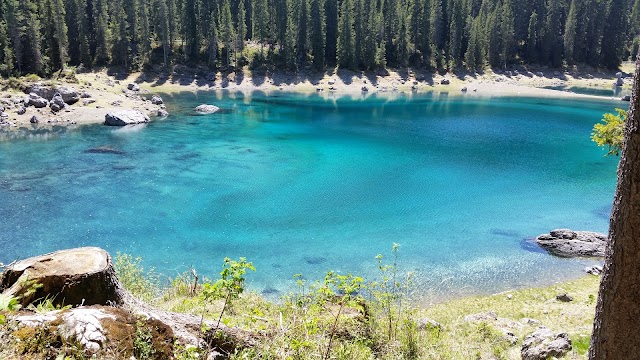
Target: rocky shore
41, 106
35, 106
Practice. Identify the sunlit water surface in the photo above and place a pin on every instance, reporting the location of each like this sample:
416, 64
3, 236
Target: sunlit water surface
309, 184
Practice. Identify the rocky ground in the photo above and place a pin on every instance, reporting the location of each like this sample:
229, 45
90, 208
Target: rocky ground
35, 105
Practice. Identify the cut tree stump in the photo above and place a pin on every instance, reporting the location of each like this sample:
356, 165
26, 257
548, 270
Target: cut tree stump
86, 276
70, 277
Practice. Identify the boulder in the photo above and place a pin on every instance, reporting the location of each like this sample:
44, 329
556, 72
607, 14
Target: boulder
428, 324
58, 101
55, 107
568, 243
445, 82
69, 95
34, 119
544, 343
87, 101
156, 100
364, 89
564, 298
464, 89
207, 109
593, 270
21, 110
125, 117
43, 91
133, 87
162, 113
71, 277
37, 101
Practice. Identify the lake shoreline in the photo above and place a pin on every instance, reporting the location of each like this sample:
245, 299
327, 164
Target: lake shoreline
110, 90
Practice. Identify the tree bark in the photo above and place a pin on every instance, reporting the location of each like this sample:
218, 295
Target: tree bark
616, 329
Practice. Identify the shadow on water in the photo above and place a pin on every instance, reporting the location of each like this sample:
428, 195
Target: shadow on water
530, 245
603, 212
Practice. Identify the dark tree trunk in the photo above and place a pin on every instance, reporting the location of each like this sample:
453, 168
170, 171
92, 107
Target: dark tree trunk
616, 330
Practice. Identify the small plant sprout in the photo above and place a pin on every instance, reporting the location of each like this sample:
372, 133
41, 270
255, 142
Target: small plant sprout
229, 286
343, 289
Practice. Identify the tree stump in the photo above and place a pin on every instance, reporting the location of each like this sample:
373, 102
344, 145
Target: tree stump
70, 277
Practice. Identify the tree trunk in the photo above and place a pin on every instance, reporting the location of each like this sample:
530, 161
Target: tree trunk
616, 329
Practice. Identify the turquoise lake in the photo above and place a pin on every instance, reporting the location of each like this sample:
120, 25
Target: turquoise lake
306, 184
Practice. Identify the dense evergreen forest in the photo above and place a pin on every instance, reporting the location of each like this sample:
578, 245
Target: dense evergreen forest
41, 36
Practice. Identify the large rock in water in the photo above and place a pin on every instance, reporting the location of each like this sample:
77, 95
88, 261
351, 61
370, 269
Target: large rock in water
207, 109
568, 243
71, 277
125, 117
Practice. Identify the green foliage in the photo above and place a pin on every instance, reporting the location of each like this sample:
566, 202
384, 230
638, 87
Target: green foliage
7, 304
133, 277
46, 305
610, 132
229, 286
143, 342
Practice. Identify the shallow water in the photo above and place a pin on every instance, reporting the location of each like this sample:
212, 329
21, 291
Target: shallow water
309, 184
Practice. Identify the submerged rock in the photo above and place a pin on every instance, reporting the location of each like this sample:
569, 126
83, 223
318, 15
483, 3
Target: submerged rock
544, 343
104, 150
207, 109
125, 117
568, 243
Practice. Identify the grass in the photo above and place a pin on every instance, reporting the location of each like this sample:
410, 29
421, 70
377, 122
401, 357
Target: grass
300, 326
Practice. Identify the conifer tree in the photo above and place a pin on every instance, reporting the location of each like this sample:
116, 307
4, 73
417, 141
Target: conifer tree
331, 43
346, 56
241, 25
456, 29
227, 32
532, 38
32, 37
551, 45
163, 29
507, 33
570, 32
318, 34
144, 32
14, 18
83, 32
260, 22
59, 28
101, 31
302, 40
190, 30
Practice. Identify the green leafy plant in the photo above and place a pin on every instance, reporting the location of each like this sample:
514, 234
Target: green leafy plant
343, 290
229, 286
7, 304
143, 342
610, 132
